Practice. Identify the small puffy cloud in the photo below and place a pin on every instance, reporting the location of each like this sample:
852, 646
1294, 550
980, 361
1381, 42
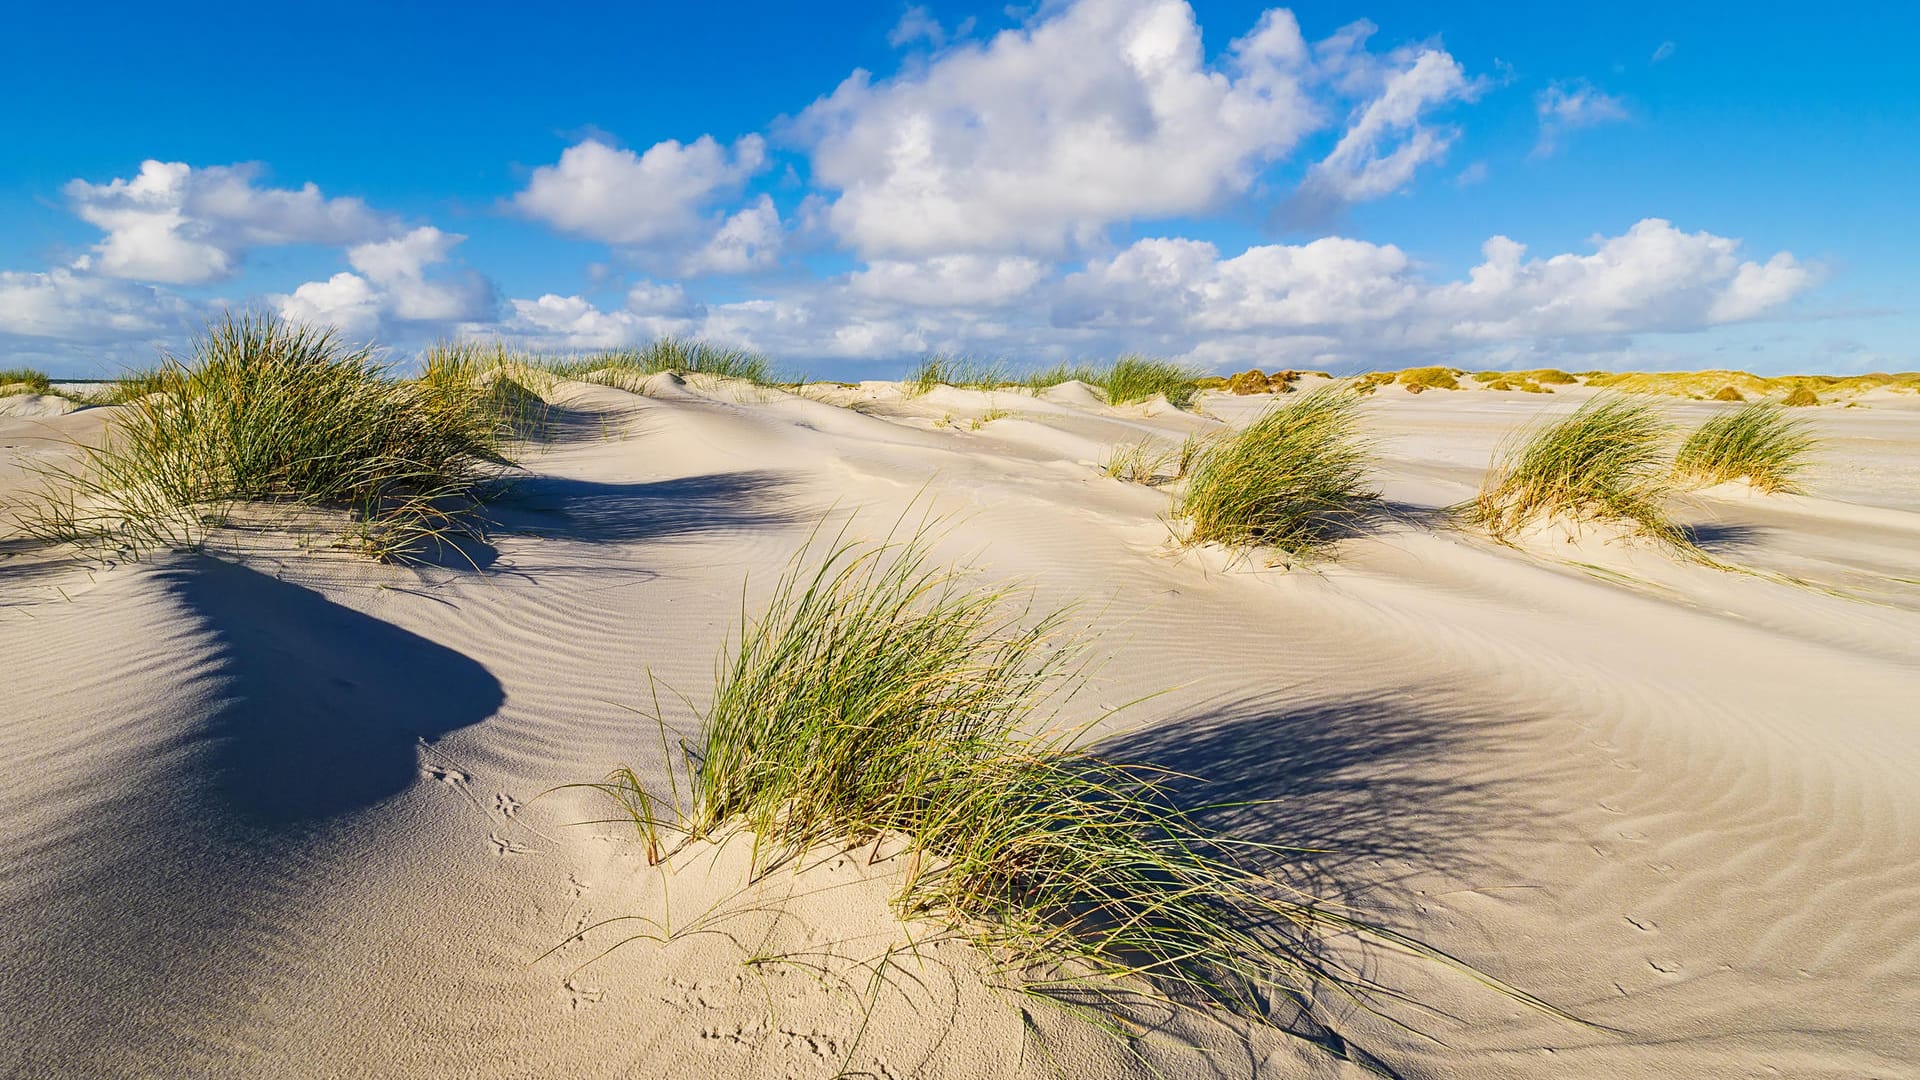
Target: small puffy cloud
916, 24
179, 225
1389, 138
660, 197
1758, 287
748, 240
346, 302
1567, 106
1094, 113
391, 286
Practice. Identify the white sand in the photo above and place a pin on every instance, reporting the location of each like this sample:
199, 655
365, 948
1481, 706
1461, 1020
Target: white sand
283, 815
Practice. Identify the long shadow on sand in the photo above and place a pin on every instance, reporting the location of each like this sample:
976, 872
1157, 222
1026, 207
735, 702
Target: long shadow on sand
595, 512
1359, 791
325, 706
1355, 784
217, 821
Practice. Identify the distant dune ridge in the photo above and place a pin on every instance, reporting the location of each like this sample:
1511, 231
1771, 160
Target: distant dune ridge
281, 809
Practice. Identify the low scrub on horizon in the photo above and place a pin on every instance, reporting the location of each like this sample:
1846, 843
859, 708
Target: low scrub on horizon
1713, 383
1295, 479
1758, 442
1604, 463
264, 411
1128, 380
876, 696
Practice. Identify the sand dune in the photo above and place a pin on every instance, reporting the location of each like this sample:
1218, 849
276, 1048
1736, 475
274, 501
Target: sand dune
282, 812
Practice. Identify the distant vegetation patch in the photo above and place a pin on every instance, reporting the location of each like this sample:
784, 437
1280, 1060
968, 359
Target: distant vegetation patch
1429, 378
1758, 442
1713, 383
1127, 380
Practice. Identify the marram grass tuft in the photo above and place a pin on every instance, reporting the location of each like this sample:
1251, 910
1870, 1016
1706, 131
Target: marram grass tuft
1294, 479
1758, 442
273, 413
879, 696
1604, 463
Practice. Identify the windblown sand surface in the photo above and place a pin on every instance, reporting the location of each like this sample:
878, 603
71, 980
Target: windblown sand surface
282, 814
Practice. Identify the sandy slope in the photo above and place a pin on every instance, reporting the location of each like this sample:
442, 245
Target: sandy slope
283, 815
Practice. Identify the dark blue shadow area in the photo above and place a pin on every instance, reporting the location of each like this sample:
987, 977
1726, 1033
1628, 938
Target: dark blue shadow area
179, 884
594, 512
325, 705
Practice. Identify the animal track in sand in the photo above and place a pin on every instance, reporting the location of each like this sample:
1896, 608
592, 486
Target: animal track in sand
504, 846
582, 997
815, 1043
734, 1038
453, 778
1649, 926
1664, 966
506, 804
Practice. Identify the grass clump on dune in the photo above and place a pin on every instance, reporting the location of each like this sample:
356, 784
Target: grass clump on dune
879, 697
23, 381
678, 355
1126, 381
269, 412
1605, 462
1294, 479
952, 371
1429, 378
1138, 463
1800, 396
1758, 442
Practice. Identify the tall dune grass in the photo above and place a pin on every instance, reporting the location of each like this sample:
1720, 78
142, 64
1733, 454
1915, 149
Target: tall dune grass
1135, 378
24, 381
1294, 479
265, 411
1605, 462
942, 370
1758, 442
878, 696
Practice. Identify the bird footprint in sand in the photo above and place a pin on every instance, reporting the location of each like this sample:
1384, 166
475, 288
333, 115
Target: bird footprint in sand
504, 846
453, 778
506, 804
582, 997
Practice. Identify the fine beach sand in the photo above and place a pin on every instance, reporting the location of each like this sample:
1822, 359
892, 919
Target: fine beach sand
280, 813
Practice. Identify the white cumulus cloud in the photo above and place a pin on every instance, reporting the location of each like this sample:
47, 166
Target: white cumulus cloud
1095, 113
179, 225
748, 240
81, 307
661, 196
391, 286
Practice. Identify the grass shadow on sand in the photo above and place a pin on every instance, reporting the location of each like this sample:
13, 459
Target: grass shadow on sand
593, 512
1358, 782
1356, 787
325, 708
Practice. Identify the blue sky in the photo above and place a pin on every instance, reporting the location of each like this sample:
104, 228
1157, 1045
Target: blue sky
1636, 185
